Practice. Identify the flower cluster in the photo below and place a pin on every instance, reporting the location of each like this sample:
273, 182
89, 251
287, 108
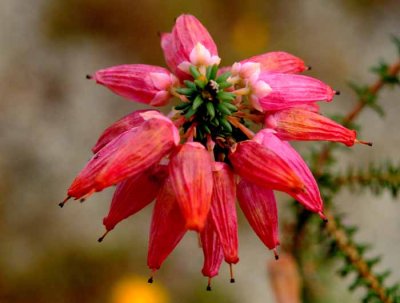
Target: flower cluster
197, 160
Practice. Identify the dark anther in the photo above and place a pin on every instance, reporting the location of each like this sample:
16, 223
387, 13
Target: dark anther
88, 77
61, 204
232, 280
82, 200
276, 257
309, 67
337, 92
208, 288
150, 280
325, 220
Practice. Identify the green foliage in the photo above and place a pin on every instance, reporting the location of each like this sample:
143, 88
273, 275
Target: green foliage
375, 177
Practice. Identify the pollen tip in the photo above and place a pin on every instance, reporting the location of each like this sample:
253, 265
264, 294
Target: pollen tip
102, 237
337, 92
363, 142
232, 280
309, 67
150, 280
276, 254
208, 288
89, 77
82, 200
61, 204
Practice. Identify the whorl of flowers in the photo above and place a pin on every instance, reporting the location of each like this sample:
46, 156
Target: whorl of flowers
196, 161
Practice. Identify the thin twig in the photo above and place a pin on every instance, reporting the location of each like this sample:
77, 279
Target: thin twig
352, 254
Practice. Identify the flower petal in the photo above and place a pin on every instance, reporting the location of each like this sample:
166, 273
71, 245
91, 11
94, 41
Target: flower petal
223, 210
264, 167
278, 62
259, 206
124, 124
304, 125
212, 250
133, 194
191, 178
292, 90
138, 82
311, 197
167, 227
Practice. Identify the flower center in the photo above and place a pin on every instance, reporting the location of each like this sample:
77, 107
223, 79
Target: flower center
212, 109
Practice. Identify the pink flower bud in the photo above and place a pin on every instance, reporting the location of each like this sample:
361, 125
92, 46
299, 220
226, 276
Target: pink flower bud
128, 155
186, 34
128, 122
304, 125
259, 206
310, 197
212, 249
138, 82
167, 227
133, 194
264, 167
292, 90
278, 62
223, 210
191, 178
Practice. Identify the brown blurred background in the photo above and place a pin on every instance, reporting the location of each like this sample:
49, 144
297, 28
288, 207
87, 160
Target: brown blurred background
50, 116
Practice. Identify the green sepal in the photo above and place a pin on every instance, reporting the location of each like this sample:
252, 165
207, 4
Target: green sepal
214, 122
190, 113
210, 109
225, 124
213, 72
208, 71
190, 84
200, 84
223, 109
194, 71
226, 96
199, 133
224, 84
223, 77
198, 101
207, 129
183, 106
185, 91
230, 106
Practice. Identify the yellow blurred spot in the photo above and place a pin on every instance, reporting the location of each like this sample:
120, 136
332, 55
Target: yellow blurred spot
250, 36
137, 290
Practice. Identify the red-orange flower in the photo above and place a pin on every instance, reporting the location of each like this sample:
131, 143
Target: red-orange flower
197, 160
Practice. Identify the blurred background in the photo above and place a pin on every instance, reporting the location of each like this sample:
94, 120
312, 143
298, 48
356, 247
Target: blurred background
50, 116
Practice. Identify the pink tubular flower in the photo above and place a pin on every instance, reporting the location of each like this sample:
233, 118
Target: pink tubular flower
223, 210
133, 194
191, 179
259, 206
264, 167
310, 197
278, 62
138, 82
212, 251
292, 90
167, 227
124, 124
304, 125
199, 158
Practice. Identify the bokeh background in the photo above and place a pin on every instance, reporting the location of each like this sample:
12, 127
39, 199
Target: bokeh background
50, 116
